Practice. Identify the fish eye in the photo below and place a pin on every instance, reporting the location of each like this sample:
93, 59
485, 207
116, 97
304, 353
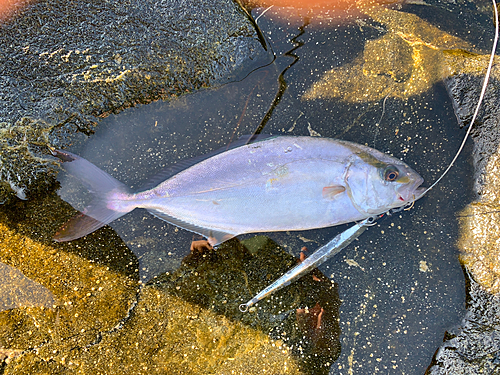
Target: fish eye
391, 173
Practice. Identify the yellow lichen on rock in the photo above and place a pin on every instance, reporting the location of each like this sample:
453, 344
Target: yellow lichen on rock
413, 29
411, 57
169, 335
102, 321
480, 231
17, 290
88, 297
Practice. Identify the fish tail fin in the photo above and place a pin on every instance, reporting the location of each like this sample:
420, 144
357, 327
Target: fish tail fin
106, 204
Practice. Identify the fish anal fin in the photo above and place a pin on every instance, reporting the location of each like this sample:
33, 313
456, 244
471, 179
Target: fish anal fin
218, 238
214, 237
330, 192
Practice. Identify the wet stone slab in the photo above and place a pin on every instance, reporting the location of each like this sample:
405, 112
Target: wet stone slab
66, 65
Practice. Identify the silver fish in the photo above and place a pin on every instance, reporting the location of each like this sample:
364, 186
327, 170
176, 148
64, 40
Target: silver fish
278, 184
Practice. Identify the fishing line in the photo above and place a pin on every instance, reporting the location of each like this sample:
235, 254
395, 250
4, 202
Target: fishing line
264, 12
377, 124
481, 97
383, 111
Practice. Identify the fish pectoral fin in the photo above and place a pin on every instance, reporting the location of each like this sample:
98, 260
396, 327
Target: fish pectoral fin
214, 237
330, 192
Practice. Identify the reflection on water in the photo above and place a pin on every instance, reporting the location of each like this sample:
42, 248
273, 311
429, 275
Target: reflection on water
400, 284
416, 55
16, 290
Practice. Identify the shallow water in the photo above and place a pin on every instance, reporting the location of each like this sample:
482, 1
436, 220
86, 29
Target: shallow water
401, 284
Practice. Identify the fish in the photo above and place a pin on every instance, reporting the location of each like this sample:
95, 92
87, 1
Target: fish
281, 183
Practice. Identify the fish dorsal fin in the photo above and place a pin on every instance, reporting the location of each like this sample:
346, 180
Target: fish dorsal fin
173, 169
330, 192
214, 237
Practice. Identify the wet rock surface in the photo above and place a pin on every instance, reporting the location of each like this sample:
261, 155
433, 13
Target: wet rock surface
479, 220
474, 346
66, 65
93, 286
102, 320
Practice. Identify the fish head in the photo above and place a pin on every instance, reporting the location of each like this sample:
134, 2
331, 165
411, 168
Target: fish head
377, 182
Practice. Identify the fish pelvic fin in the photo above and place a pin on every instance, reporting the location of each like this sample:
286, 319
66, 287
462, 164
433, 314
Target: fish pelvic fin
107, 203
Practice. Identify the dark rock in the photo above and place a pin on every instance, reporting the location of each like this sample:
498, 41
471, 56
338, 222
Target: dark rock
474, 347
66, 65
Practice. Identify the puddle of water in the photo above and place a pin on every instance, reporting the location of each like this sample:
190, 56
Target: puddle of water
401, 283
162, 134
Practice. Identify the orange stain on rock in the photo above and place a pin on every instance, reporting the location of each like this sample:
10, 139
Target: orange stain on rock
8, 7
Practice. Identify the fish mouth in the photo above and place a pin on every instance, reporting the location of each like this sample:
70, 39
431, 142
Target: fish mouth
419, 192
413, 192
